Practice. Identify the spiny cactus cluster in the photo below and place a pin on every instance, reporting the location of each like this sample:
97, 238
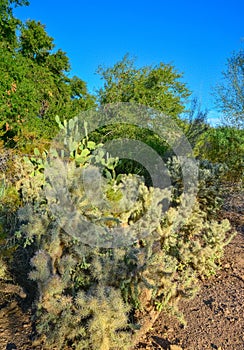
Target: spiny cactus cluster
90, 281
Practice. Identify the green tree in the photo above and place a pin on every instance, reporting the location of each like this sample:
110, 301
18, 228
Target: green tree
34, 86
35, 43
8, 23
157, 87
230, 92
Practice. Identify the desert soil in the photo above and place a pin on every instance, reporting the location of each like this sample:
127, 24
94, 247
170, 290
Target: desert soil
215, 317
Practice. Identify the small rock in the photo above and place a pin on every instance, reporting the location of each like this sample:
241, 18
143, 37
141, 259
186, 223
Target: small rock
175, 347
227, 266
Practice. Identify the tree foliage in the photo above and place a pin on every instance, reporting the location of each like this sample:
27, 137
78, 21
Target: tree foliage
157, 87
8, 23
34, 84
230, 92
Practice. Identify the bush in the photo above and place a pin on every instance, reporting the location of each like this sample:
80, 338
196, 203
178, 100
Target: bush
224, 145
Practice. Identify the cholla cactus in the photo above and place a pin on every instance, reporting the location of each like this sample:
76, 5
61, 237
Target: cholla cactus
88, 292
3, 270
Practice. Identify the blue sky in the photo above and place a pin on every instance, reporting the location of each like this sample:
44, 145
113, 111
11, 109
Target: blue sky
195, 36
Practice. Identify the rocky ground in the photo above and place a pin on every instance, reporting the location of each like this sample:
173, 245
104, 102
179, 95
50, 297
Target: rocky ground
214, 317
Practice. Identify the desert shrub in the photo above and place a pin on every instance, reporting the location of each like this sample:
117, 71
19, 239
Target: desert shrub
224, 145
210, 184
124, 255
